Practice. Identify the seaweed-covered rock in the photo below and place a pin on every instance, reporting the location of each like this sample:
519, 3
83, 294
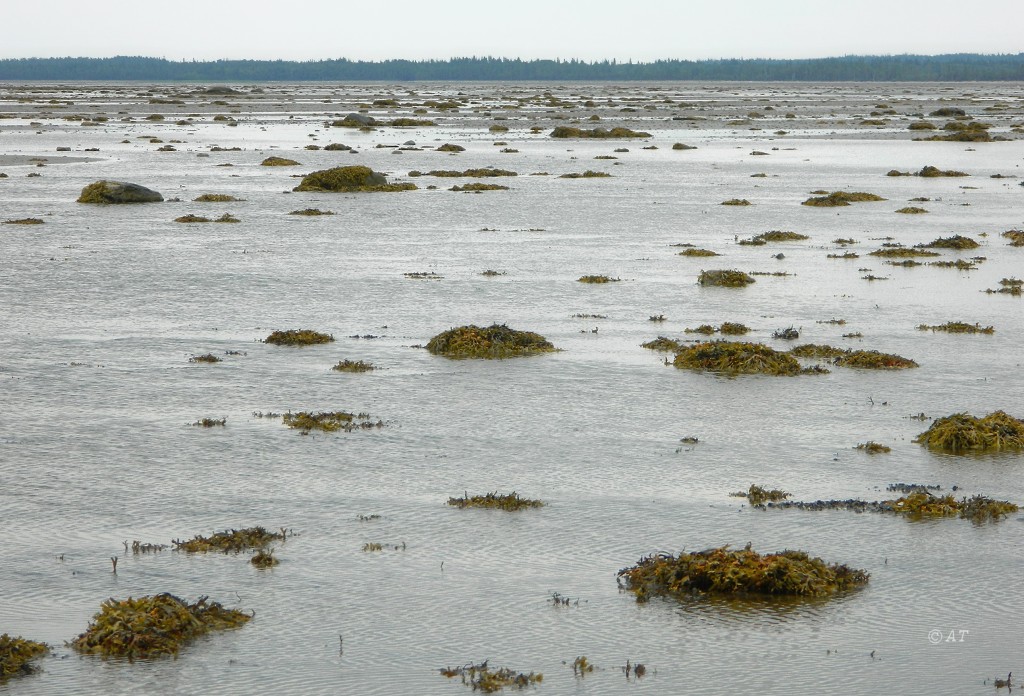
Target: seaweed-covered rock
494, 341
16, 654
963, 433
571, 132
349, 179
278, 162
510, 501
745, 572
873, 360
153, 626
841, 198
736, 358
116, 192
298, 337
725, 278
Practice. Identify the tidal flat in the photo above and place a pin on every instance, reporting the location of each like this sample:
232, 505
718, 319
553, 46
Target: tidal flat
106, 307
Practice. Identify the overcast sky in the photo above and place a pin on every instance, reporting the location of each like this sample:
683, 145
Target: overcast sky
589, 30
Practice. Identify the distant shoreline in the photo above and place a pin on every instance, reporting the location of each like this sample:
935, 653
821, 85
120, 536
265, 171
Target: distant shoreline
962, 67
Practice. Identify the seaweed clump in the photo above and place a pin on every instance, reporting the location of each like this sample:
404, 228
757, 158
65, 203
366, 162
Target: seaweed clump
698, 252
841, 198
356, 178
329, 421
734, 358
353, 366
736, 201
978, 508
24, 221
758, 495
16, 653
962, 433
476, 187
930, 172
483, 678
663, 343
872, 359
571, 132
298, 337
955, 242
745, 572
872, 447
230, 540
153, 625
511, 501
496, 341
596, 279
725, 278
216, 198
957, 327
278, 162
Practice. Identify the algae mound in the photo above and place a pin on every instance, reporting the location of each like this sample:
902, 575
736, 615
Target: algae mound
496, 341
841, 198
736, 358
16, 653
278, 162
745, 572
349, 179
298, 337
571, 132
725, 278
510, 501
962, 433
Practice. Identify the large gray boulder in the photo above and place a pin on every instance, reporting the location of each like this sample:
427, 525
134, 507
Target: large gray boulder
118, 192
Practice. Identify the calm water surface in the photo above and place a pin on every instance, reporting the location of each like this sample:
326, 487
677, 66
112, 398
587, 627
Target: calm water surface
103, 306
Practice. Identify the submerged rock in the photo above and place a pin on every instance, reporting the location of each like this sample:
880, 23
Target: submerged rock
104, 192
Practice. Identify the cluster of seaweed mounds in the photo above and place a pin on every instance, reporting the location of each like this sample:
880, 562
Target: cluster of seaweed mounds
744, 572
589, 174
899, 252
478, 188
954, 242
728, 328
978, 508
496, 501
330, 421
353, 366
153, 625
311, 212
479, 173
486, 680
356, 178
735, 358
298, 337
571, 132
957, 327
278, 162
16, 654
841, 198
696, 252
1016, 237
1008, 286
773, 236
736, 201
230, 540
597, 279
729, 278
492, 342
962, 433
872, 447
759, 495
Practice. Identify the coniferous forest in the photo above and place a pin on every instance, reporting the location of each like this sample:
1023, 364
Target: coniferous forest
964, 67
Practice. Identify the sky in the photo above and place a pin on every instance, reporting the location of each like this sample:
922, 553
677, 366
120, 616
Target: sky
527, 29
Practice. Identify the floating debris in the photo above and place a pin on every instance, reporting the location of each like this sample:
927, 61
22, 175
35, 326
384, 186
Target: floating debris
962, 433
511, 501
298, 337
483, 678
16, 654
746, 572
153, 625
496, 341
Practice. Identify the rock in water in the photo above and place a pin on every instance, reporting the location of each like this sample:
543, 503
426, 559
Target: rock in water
118, 192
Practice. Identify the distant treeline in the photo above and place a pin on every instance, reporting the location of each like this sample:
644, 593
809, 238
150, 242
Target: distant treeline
960, 67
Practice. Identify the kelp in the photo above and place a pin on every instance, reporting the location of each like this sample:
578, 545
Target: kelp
814, 350
841, 198
230, 540
24, 221
736, 358
596, 279
329, 421
736, 201
1016, 237
978, 508
496, 341
872, 447
955, 242
901, 252
779, 236
957, 327
298, 337
486, 680
210, 422
216, 198
698, 252
311, 212
745, 572
589, 174
912, 210
962, 433
278, 162
153, 625
16, 654
264, 559
873, 360
478, 173
706, 329
356, 178
510, 501
478, 188
931, 172
725, 278
192, 218
207, 358
731, 328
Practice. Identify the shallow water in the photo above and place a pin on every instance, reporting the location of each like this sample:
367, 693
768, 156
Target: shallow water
103, 306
